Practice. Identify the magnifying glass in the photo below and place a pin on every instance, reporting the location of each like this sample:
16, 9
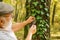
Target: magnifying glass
33, 23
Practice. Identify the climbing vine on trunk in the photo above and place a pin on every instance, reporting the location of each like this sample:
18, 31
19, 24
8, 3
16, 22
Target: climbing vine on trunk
40, 10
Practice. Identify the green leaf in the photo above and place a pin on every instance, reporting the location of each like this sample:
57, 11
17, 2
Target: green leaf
42, 12
48, 14
28, 6
35, 3
42, 0
33, 10
46, 9
32, 7
38, 17
41, 6
41, 36
33, 14
39, 25
29, 1
41, 32
38, 11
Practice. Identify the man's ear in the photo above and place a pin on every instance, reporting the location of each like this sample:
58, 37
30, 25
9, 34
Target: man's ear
1, 24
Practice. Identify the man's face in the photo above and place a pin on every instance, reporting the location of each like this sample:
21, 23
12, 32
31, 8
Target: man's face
4, 19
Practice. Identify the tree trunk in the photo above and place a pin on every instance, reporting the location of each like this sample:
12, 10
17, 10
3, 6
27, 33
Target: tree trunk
39, 9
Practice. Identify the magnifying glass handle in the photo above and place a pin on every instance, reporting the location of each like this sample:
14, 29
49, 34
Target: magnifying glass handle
33, 23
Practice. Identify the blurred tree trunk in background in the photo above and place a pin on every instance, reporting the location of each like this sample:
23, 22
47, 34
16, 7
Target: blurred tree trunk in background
1, 0
52, 11
55, 19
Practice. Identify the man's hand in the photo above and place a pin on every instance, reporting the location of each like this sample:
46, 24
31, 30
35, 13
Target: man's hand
32, 30
30, 19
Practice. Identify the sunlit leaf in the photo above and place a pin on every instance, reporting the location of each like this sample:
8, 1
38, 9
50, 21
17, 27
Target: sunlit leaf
35, 3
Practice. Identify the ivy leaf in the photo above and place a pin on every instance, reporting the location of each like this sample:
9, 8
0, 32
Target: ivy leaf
35, 3
33, 14
41, 36
41, 32
42, 12
38, 11
42, 0
32, 7
33, 10
28, 6
29, 1
38, 17
46, 9
47, 14
41, 6
40, 25
34, 36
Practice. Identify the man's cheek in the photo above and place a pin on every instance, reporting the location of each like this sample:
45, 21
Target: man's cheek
8, 19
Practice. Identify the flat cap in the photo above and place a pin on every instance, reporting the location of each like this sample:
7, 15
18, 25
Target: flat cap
5, 8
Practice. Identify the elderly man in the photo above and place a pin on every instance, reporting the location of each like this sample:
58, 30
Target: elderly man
7, 29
